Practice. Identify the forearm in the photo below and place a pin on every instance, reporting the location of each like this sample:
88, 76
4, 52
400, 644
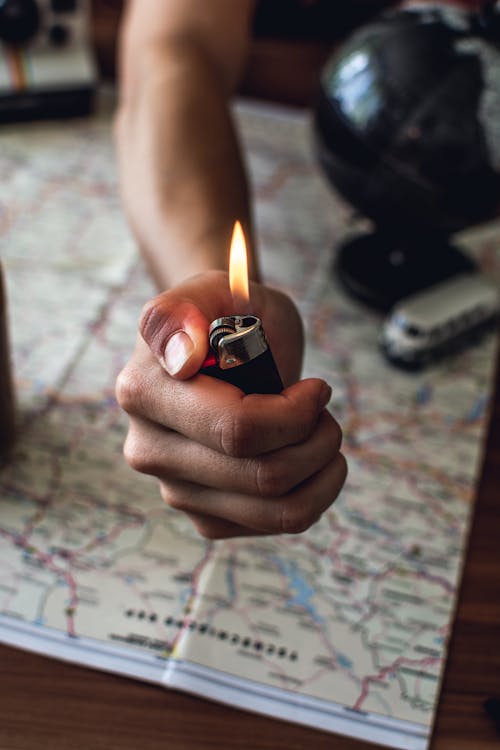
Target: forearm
182, 178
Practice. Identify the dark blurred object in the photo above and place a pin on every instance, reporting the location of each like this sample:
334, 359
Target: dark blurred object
46, 59
492, 708
7, 411
106, 16
19, 20
291, 41
488, 19
408, 130
322, 20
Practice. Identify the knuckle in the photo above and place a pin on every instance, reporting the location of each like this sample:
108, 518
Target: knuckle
172, 497
295, 519
272, 477
129, 389
136, 456
207, 530
344, 468
235, 435
336, 435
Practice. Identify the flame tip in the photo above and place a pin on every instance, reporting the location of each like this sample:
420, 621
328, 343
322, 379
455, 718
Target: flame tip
238, 266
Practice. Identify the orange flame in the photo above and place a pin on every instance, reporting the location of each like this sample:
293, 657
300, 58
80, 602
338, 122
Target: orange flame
238, 270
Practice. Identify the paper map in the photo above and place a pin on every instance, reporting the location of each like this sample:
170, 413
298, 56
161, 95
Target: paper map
343, 627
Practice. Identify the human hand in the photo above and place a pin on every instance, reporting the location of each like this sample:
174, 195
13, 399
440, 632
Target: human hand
236, 464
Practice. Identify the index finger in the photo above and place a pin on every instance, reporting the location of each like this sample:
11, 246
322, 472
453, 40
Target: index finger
217, 414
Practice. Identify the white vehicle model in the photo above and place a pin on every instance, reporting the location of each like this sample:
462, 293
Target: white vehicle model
439, 319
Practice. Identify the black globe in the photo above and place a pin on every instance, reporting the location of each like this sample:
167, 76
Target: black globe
408, 130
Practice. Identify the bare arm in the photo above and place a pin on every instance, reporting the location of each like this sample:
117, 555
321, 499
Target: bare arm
214, 451
182, 177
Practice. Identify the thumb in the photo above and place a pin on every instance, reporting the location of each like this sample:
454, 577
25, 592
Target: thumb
176, 331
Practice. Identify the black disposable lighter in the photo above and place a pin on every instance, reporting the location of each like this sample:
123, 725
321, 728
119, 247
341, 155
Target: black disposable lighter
240, 355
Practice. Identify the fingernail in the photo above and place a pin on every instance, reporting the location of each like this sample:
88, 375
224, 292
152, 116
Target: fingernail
324, 396
177, 352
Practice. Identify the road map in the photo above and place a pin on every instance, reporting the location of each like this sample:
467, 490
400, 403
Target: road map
344, 627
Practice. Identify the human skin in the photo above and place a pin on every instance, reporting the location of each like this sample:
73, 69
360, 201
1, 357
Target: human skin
235, 464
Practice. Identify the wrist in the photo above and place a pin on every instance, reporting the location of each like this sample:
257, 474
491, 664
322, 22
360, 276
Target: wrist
182, 178
174, 252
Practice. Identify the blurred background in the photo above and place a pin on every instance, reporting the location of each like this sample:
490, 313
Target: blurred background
292, 39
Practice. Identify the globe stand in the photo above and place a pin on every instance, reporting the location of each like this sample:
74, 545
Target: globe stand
385, 266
